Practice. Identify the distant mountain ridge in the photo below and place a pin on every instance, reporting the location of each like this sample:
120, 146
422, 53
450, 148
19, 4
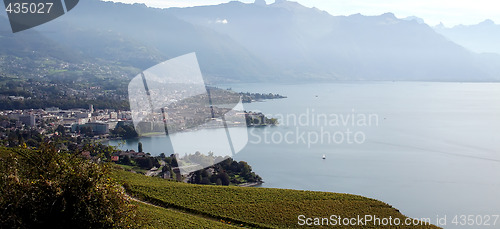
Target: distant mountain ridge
284, 42
481, 38
314, 44
221, 59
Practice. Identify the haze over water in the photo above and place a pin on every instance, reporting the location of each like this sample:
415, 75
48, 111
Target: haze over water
434, 150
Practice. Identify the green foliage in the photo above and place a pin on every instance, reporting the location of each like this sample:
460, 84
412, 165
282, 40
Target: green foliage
249, 97
45, 188
125, 132
144, 162
259, 119
272, 121
224, 178
15, 137
253, 207
60, 129
224, 169
139, 147
126, 161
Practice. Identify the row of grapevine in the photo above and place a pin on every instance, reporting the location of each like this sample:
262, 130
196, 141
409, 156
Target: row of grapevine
258, 207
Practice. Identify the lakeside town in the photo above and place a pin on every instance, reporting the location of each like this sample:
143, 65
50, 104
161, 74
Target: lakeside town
94, 123
74, 129
85, 131
75, 122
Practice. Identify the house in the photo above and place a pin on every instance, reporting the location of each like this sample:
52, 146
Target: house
130, 154
98, 128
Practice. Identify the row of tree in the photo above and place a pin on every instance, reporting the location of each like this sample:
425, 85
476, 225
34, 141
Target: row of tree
226, 172
63, 103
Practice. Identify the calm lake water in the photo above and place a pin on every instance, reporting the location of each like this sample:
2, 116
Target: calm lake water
428, 149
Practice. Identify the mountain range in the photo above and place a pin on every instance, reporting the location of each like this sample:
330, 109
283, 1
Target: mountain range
481, 38
238, 42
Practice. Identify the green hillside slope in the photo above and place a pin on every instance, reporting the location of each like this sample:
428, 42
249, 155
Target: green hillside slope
157, 217
252, 207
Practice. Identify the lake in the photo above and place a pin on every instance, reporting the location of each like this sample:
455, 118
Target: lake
426, 148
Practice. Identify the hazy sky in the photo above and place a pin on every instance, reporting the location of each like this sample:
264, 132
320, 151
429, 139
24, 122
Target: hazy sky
450, 12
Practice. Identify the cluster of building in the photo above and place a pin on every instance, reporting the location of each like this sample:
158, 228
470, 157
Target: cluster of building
129, 153
99, 121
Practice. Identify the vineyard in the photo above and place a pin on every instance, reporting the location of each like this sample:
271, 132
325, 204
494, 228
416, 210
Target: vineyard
151, 217
252, 207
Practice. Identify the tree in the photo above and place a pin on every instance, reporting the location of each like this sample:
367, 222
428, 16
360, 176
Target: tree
125, 131
139, 146
130, 132
205, 181
155, 162
61, 130
234, 167
244, 169
126, 161
50, 189
12, 139
224, 178
196, 177
144, 162
272, 121
31, 142
168, 160
119, 131
174, 161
